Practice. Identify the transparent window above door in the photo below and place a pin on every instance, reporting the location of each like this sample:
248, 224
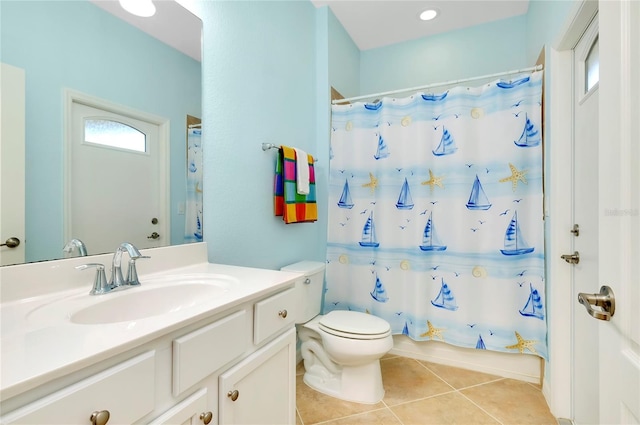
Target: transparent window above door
592, 66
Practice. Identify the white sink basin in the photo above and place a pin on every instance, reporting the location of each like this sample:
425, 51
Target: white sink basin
155, 296
142, 304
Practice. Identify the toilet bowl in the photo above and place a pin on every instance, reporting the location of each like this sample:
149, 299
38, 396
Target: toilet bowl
342, 349
344, 362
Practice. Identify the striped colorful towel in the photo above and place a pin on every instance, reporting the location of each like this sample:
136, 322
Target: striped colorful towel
288, 203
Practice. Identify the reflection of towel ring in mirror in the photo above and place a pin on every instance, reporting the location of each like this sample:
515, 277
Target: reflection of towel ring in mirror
198, 190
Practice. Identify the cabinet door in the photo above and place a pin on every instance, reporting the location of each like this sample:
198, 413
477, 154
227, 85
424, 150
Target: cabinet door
261, 389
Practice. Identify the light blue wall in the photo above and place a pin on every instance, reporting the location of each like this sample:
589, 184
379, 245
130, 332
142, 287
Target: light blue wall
344, 58
480, 50
265, 71
260, 75
74, 44
544, 21
323, 118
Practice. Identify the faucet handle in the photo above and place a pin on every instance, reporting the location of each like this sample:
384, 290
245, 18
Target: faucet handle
132, 273
100, 284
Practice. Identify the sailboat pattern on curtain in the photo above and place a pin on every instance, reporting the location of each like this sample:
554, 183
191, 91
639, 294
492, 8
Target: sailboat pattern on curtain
436, 218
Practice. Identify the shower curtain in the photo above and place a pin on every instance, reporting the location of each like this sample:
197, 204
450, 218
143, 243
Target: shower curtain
436, 216
193, 209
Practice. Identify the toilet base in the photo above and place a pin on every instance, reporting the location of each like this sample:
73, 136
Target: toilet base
358, 384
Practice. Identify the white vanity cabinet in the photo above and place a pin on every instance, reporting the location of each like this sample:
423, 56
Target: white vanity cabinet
235, 366
260, 387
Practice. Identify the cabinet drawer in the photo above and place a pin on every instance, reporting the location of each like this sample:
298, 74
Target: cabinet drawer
273, 314
187, 412
202, 352
127, 391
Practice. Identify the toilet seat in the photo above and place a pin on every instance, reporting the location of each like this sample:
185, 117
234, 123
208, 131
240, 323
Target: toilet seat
354, 325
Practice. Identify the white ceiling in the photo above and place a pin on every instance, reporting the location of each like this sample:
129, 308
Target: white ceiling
370, 23
377, 23
171, 24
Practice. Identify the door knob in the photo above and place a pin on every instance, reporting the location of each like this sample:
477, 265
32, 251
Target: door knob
575, 230
605, 300
571, 258
12, 242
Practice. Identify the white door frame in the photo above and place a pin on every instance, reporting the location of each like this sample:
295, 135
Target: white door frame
558, 387
71, 96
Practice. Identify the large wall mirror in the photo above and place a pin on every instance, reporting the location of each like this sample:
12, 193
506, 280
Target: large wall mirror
82, 47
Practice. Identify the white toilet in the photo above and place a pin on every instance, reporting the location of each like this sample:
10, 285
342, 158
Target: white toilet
342, 349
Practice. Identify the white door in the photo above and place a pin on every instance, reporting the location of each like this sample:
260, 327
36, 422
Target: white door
585, 216
619, 210
12, 183
115, 191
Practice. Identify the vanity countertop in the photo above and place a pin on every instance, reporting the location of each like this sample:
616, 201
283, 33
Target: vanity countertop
34, 351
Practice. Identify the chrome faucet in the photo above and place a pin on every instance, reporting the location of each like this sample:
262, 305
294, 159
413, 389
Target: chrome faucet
117, 282
76, 243
116, 268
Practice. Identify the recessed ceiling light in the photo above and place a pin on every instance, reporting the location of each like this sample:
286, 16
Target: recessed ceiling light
143, 8
429, 14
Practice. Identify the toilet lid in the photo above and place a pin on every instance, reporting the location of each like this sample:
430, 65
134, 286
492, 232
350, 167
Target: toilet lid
354, 324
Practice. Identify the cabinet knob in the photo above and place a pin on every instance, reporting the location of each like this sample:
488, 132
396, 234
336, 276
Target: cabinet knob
233, 395
206, 417
99, 417
283, 314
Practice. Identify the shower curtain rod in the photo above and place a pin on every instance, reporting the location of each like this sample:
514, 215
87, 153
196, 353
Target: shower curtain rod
447, 83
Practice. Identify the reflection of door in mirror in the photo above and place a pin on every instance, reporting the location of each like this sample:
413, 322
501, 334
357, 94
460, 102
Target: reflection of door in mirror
11, 163
116, 174
77, 45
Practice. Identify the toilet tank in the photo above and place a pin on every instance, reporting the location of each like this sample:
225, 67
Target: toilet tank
309, 288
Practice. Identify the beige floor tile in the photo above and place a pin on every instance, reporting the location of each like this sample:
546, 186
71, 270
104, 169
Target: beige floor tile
376, 417
512, 402
405, 379
449, 408
422, 393
315, 407
459, 378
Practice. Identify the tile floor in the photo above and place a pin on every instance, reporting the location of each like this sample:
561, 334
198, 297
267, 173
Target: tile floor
422, 393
